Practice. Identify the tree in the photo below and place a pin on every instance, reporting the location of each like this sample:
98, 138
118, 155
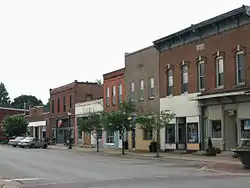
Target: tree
29, 100
154, 122
91, 125
4, 96
47, 106
119, 120
15, 126
99, 82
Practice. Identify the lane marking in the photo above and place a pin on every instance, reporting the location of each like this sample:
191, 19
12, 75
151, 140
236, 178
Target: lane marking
23, 179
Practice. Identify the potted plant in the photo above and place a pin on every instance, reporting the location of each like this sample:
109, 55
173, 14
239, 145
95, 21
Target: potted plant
243, 153
210, 151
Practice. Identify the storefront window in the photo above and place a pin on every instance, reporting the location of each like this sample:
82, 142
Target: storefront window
170, 133
245, 129
216, 128
192, 132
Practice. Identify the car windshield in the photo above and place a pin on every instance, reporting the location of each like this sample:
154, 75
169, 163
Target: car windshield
19, 138
28, 138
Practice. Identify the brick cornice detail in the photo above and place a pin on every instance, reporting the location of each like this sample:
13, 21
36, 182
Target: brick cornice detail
169, 66
201, 58
239, 48
219, 54
184, 62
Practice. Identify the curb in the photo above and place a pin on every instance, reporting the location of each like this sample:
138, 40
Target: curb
9, 184
207, 169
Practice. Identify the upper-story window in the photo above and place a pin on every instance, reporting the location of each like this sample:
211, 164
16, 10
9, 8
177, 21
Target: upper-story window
64, 104
141, 94
240, 67
120, 93
52, 106
170, 82
201, 74
184, 78
89, 97
107, 96
70, 101
132, 91
219, 72
151, 88
58, 104
113, 95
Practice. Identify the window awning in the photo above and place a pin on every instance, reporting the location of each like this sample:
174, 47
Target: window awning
217, 95
37, 124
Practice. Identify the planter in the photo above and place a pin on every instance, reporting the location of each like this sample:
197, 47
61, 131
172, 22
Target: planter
211, 152
244, 156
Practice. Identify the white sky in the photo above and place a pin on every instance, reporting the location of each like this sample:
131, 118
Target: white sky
48, 43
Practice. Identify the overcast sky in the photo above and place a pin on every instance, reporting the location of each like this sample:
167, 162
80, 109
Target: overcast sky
47, 43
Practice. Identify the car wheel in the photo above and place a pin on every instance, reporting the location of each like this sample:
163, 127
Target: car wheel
45, 146
14, 146
32, 146
21, 146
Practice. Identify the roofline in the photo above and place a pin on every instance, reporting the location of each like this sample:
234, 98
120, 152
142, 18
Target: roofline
71, 84
220, 17
14, 109
114, 73
137, 51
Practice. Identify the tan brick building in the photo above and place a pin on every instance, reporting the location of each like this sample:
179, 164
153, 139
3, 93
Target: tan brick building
205, 79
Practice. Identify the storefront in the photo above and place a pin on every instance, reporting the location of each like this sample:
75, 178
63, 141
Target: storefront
37, 129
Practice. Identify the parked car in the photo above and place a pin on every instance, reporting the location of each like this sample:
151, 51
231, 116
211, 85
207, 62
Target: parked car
14, 142
32, 142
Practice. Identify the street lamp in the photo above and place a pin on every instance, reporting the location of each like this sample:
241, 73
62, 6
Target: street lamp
70, 131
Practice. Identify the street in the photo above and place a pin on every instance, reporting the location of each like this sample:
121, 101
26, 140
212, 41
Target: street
59, 169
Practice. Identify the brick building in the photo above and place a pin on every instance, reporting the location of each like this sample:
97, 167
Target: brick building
38, 121
114, 94
142, 86
62, 107
205, 79
9, 112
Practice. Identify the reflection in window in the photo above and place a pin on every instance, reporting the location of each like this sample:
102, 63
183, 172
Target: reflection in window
148, 134
245, 129
110, 137
216, 128
192, 131
170, 133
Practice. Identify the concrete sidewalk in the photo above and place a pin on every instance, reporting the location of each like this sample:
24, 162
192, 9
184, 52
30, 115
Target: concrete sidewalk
8, 184
188, 157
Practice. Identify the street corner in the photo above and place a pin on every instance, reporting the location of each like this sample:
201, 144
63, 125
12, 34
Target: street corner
235, 169
7, 183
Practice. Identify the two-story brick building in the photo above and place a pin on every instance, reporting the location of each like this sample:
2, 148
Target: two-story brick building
142, 87
205, 80
62, 107
114, 94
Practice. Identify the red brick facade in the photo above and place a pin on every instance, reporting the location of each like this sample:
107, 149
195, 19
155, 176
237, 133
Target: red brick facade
113, 79
224, 44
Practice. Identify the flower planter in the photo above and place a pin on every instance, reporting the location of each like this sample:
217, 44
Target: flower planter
244, 156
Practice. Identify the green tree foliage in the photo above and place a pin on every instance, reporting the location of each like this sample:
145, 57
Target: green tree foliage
15, 126
47, 106
91, 125
154, 122
4, 96
119, 120
29, 100
99, 81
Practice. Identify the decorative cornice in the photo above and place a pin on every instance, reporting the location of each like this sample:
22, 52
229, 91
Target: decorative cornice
201, 58
184, 62
219, 54
239, 48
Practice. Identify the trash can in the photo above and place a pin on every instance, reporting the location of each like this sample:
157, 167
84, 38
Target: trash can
125, 145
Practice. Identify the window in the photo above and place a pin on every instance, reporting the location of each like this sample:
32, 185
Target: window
110, 137
141, 94
70, 101
184, 78
245, 128
119, 93
216, 128
131, 91
107, 96
89, 97
170, 82
151, 88
240, 68
148, 134
219, 71
64, 104
201, 75
58, 105
53, 106
170, 133
113, 95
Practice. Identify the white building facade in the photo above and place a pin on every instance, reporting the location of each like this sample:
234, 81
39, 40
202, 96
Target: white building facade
183, 132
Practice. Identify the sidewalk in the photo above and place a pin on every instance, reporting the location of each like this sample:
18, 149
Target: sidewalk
8, 184
220, 159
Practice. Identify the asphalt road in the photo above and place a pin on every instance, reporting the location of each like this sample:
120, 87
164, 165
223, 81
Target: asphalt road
61, 169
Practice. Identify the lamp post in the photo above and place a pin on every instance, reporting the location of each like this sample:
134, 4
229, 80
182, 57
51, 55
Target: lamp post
69, 124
